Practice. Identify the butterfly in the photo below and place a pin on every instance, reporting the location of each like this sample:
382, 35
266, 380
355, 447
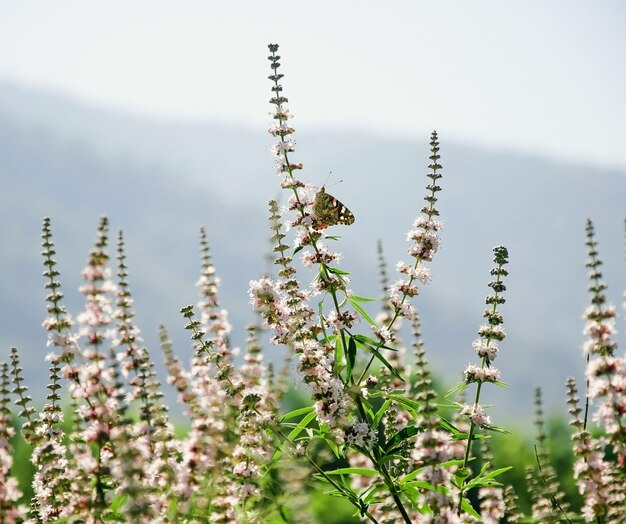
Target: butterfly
329, 211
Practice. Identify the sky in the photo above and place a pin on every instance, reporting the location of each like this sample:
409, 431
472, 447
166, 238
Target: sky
529, 76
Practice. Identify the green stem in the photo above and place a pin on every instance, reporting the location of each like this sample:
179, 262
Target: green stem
555, 502
333, 293
100, 495
332, 482
392, 489
479, 386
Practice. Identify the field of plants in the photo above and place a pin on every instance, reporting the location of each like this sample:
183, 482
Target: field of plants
367, 434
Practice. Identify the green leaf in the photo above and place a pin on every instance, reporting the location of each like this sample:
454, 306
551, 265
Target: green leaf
296, 413
486, 480
355, 304
449, 426
337, 271
481, 484
411, 476
413, 495
368, 411
455, 462
389, 458
365, 472
362, 299
320, 315
117, 503
332, 445
462, 474
339, 357
350, 358
497, 429
369, 494
401, 436
469, 509
497, 472
411, 405
420, 484
457, 389
376, 344
379, 414
295, 432
374, 351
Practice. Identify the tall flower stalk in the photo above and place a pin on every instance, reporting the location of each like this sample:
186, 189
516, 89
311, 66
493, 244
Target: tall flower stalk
591, 471
57, 493
96, 384
10, 511
486, 348
549, 504
606, 371
328, 348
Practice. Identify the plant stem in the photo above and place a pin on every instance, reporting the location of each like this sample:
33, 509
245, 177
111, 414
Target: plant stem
392, 488
328, 479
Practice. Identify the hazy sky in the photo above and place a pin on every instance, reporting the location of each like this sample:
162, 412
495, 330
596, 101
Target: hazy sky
531, 75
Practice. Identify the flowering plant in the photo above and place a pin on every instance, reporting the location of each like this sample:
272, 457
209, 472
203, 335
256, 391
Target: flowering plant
374, 433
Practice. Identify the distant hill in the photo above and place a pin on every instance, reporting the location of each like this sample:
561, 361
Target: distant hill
160, 181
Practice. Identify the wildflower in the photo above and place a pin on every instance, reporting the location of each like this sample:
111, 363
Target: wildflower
283, 306
605, 371
481, 374
361, 434
419, 273
477, 415
321, 256
10, 511
591, 471
485, 348
371, 381
384, 334
214, 320
492, 332
252, 451
426, 243
485, 372
492, 507
342, 320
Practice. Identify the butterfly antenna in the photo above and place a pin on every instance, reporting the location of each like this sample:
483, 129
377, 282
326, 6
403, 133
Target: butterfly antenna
327, 178
335, 183
330, 173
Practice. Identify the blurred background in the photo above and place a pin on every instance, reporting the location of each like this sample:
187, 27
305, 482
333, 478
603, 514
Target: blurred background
155, 113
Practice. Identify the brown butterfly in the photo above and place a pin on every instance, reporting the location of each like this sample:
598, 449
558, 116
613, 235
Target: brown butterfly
329, 211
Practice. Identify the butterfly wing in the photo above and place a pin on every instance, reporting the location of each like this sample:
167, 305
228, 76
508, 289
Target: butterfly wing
329, 211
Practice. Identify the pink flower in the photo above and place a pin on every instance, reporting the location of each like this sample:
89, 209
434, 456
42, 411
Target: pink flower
477, 415
481, 374
361, 434
485, 349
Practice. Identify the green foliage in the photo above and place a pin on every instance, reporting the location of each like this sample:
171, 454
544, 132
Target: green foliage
516, 449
